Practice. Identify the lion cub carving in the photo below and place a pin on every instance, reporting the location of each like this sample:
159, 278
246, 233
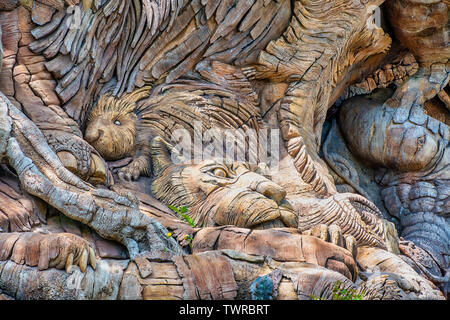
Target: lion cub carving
126, 126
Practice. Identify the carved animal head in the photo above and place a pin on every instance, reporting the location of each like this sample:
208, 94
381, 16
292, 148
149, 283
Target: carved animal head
111, 126
409, 150
404, 146
219, 191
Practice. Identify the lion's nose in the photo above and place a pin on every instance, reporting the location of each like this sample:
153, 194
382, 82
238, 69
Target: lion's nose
93, 135
272, 191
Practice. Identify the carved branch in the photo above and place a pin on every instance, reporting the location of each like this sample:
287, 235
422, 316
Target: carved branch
42, 174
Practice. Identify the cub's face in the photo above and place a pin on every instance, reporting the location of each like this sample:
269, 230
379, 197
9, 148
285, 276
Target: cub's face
220, 192
111, 128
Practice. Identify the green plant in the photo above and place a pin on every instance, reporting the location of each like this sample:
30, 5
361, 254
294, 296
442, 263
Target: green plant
181, 212
343, 294
189, 239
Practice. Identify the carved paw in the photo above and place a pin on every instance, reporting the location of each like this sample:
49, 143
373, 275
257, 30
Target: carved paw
73, 251
250, 72
15, 218
79, 157
333, 234
134, 170
60, 251
257, 72
17, 210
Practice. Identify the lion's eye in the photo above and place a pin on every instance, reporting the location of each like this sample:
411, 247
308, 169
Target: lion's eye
219, 172
117, 123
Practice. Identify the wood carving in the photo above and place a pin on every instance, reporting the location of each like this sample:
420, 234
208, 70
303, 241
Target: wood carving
411, 158
114, 111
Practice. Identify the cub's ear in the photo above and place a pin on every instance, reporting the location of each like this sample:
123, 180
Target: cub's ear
163, 155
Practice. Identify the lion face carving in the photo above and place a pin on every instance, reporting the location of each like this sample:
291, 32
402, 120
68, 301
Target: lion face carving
219, 192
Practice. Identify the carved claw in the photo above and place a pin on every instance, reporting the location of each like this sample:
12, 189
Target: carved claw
250, 72
16, 218
69, 263
98, 173
334, 235
79, 157
127, 194
73, 251
288, 216
60, 251
16, 210
320, 231
350, 244
134, 170
259, 71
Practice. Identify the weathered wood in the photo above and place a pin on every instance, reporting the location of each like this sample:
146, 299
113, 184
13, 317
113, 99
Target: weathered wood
116, 80
41, 13
287, 245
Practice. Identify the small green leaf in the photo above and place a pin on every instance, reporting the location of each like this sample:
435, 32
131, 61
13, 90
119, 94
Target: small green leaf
181, 212
188, 220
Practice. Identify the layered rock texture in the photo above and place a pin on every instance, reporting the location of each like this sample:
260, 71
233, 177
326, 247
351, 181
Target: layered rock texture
338, 179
